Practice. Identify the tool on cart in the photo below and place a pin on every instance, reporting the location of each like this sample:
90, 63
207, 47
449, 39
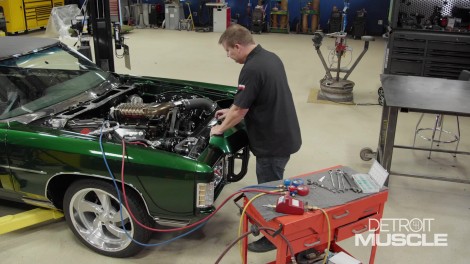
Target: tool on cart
340, 183
288, 205
352, 185
331, 178
319, 184
295, 187
344, 182
338, 89
373, 181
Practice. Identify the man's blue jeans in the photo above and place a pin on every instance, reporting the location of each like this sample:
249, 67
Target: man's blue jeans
270, 168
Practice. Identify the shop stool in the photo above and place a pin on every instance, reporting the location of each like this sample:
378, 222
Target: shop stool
438, 126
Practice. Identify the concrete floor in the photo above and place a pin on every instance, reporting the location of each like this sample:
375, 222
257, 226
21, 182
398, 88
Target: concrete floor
332, 134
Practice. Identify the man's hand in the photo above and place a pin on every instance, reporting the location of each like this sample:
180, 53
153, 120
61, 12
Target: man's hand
231, 117
216, 131
221, 114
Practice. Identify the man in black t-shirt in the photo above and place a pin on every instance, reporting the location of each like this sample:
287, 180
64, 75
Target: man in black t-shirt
265, 101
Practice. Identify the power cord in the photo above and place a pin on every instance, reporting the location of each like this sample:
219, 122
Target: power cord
255, 230
240, 235
327, 249
241, 222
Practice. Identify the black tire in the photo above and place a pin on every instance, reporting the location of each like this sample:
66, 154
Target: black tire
381, 100
380, 91
88, 202
365, 154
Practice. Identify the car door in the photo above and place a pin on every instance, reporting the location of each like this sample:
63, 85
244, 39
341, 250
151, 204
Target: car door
7, 186
3, 159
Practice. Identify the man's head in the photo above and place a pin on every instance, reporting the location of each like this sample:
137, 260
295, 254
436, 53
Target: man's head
237, 42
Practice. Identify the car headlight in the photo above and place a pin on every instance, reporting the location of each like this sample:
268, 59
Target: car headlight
205, 195
220, 170
205, 191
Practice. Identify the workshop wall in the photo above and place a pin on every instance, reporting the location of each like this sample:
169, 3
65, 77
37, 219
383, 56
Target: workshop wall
376, 10
241, 11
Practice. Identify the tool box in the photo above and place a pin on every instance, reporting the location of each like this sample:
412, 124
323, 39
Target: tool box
24, 15
373, 181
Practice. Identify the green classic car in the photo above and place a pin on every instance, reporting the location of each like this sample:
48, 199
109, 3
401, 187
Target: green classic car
70, 131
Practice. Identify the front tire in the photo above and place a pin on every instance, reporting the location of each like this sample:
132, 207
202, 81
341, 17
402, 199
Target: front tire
92, 212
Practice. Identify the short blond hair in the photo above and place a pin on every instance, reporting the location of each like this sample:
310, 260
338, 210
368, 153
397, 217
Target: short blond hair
236, 34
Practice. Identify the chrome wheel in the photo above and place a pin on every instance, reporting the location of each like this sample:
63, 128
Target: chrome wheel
96, 217
92, 211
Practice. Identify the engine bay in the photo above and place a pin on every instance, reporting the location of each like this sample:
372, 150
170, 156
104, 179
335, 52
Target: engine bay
171, 120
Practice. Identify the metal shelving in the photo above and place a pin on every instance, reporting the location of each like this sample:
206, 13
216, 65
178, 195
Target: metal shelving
278, 17
432, 51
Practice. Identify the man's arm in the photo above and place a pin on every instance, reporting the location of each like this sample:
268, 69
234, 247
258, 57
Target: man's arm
234, 115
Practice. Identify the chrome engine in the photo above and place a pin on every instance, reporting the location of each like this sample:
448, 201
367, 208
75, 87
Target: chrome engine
179, 124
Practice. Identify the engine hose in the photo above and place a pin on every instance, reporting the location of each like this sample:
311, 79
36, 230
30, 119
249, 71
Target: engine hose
204, 103
180, 147
105, 130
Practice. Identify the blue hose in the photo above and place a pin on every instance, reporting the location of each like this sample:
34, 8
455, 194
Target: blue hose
120, 203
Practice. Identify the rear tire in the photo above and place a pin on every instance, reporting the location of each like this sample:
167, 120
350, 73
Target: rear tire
92, 212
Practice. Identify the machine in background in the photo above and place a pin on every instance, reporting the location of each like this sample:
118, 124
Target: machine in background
258, 17
338, 89
428, 38
24, 15
359, 24
309, 11
97, 14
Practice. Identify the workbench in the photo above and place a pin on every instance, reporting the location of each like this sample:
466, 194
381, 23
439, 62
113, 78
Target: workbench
351, 215
424, 95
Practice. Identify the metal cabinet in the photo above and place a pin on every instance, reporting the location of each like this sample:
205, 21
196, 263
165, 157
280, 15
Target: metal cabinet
27, 14
428, 54
221, 16
13, 13
422, 42
173, 14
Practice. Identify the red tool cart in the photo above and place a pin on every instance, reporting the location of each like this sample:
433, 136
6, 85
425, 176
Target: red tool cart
310, 230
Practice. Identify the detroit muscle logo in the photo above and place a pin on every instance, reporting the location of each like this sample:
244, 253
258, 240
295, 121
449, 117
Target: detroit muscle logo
401, 232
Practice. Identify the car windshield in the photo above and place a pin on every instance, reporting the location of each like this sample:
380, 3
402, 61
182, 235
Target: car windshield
43, 78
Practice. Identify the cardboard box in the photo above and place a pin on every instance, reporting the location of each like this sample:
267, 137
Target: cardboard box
343, 258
